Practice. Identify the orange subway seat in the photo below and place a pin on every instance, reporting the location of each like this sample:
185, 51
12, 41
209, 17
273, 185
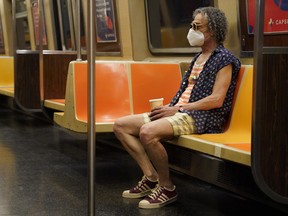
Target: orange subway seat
56, 104
111, 92
60, 101
240, 146
153, 80
240, 127
7, 72
7, 76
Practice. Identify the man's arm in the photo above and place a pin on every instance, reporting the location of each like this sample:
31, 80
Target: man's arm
216, 99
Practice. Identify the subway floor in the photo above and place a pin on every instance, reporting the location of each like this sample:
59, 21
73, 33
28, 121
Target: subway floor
43, 172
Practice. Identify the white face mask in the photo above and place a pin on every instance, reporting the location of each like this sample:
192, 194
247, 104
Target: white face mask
195, 38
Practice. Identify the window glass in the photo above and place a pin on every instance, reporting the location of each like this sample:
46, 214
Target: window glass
22, 26
168, 24
2, 47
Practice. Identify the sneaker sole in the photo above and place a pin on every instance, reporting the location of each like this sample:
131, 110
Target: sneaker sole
135, 196
156, 205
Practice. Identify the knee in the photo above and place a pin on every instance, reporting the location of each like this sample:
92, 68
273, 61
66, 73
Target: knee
146, 136
118, 126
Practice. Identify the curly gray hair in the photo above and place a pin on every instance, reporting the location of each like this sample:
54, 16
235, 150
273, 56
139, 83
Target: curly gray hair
217, 22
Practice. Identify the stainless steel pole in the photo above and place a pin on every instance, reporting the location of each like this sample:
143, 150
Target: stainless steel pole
91, 105
78, 30
41, 35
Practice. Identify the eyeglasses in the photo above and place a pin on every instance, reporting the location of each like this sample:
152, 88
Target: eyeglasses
195, 26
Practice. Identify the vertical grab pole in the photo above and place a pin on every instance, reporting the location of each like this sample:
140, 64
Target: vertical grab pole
78, 30
14, 44
91, 106
257, 76
41, 34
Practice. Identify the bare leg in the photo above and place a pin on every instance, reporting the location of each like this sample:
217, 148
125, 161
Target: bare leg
150, 136
127, 131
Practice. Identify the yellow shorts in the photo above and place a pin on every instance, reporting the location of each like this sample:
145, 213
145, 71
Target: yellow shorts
182, 123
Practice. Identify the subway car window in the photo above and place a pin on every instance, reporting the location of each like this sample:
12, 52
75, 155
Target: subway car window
22, 26
36, 25
2, 46
66, 26
168, 22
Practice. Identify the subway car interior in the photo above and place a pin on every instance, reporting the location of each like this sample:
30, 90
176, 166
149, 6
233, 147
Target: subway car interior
70, 68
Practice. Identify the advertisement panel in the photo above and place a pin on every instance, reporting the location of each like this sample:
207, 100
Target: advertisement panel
275, 17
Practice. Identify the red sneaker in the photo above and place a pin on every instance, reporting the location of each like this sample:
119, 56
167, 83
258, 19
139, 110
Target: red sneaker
144, 187
158, 198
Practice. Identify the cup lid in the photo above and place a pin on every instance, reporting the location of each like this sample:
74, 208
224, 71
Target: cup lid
156, 99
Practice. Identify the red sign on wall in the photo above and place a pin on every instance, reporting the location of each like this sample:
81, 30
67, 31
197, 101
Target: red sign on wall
275, 16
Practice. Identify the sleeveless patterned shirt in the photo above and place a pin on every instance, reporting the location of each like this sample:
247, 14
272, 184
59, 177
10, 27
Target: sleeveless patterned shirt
210, 121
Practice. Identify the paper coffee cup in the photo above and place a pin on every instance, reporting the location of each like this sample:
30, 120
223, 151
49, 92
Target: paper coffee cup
156, 102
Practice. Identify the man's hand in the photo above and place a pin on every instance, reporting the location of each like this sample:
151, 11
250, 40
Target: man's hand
162, 111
